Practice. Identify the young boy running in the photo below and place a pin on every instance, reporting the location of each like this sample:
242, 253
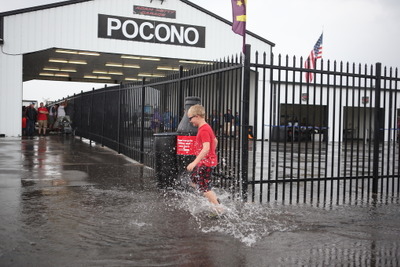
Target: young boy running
206, 158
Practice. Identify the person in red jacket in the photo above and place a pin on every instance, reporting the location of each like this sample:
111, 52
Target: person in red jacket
42, 118
206, 159
23, 124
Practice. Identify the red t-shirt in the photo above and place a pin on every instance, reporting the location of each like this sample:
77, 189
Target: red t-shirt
206, 134
42, 116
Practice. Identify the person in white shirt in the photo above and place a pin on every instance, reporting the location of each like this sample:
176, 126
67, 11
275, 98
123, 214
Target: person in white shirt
61, 115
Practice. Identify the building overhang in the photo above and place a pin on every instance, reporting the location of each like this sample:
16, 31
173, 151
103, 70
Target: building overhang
91, 66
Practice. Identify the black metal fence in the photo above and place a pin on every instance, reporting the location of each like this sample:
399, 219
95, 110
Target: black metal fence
281, 137
126, 117
333, 139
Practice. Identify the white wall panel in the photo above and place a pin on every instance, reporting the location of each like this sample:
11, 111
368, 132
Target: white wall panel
10, 95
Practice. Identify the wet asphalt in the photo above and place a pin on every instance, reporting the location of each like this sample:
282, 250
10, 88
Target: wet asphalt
68, 202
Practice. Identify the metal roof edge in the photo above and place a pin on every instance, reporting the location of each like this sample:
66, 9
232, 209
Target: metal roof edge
41, 7
226, 21
70, 2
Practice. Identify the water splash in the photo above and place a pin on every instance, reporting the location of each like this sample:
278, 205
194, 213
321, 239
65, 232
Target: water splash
246, 222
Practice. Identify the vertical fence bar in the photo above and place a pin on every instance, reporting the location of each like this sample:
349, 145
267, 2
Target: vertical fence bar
340, 133
245, 129
389, 126
103, 117
180, 94
325, 130
254, 163
378, 70
263, 127
271, 122
80, 117
370, 144
396, 135
276, 185
91, 116
359, 103
142, 120
119, 120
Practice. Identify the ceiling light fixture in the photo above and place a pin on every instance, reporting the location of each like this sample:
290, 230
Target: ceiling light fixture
61, 60
141, 58
108, 72
195, 62
119, 65
66, 75
66, 51
89, 54
100, 72
90, 77
46, 74
168, 68
81, 62
115, 73
68, 70
86, 53
150, 75
51, 69
97, 77
57, 60
57, 69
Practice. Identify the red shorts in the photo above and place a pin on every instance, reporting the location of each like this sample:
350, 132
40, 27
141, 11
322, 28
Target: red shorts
201, 176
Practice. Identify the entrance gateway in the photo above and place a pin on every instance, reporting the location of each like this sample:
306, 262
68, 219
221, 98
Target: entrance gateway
99, 41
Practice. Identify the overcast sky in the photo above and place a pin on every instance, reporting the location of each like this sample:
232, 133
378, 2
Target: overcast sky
359, 31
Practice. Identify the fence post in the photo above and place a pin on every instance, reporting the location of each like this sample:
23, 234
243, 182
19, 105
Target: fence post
245, 122
91, 116
104, 115
142, 122
377, 129
180, 96
119, 119
80, 117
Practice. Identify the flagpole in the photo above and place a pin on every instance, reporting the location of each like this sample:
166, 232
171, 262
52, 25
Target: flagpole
244, 40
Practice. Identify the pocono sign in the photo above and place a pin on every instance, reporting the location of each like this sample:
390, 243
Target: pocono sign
122, 28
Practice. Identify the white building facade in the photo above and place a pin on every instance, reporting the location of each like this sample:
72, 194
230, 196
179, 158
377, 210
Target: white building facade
68, 41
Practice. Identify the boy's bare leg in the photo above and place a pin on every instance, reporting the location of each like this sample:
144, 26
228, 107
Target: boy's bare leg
212, 197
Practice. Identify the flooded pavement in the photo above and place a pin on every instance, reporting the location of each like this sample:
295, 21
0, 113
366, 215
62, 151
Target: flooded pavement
65, 203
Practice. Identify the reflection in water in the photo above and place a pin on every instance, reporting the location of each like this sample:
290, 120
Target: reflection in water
110, 213
142, 227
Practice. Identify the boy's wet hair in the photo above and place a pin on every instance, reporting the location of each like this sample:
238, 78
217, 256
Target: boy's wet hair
197, 110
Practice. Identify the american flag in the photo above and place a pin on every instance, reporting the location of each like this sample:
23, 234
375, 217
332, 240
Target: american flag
311, 61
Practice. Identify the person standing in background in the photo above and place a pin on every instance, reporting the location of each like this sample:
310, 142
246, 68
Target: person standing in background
24, 124
42, 119
214, 121
31, 115
61, 114
228, 119
52, 116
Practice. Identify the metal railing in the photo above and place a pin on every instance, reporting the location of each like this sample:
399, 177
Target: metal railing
126, 117
330, 140
333, 139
